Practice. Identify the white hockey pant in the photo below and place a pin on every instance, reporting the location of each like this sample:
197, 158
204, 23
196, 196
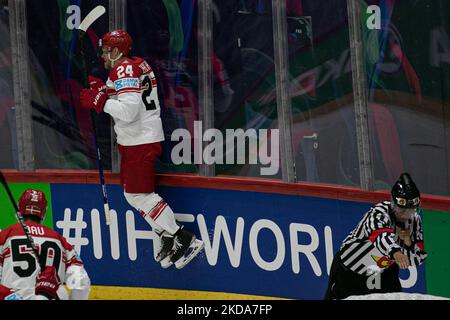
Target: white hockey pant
154, 210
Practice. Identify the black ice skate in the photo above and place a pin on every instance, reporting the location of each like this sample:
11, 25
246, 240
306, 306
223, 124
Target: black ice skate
186, 247
166, 250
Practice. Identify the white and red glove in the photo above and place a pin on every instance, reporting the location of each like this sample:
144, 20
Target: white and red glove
96, 84
47, 283
93, 99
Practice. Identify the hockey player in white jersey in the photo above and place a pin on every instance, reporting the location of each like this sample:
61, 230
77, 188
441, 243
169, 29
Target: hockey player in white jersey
20, 274
130, 97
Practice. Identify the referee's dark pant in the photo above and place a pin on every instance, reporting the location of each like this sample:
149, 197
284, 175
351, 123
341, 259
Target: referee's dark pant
343, 282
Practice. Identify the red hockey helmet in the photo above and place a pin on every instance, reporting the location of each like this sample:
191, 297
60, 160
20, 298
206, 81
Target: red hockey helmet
33, 202
117, 38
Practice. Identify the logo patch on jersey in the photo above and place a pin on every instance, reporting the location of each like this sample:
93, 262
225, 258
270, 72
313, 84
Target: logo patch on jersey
13, 296
382, 262
127, 83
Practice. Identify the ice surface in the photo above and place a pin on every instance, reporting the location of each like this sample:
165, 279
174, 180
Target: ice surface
397, 296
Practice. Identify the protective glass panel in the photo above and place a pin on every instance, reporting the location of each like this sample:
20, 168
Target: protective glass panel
62, 129
245, 105
164, 34
8, 143
320, 87
407, 54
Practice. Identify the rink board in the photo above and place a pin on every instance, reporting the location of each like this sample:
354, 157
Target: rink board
260, 241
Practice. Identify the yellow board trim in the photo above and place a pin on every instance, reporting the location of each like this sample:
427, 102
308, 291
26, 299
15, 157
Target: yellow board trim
133, 293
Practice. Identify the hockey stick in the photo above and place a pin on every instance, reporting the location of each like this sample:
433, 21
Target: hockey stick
22, 222
96, 13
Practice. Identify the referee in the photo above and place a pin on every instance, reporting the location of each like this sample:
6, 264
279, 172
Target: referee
388, 237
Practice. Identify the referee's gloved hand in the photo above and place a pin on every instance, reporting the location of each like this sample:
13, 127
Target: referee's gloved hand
47, 283
401, 259
93, 99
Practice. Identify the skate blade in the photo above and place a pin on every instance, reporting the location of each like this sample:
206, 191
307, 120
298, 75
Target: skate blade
166, 263
194, 249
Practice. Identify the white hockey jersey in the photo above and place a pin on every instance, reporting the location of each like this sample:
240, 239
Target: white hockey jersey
18, 265
134, 103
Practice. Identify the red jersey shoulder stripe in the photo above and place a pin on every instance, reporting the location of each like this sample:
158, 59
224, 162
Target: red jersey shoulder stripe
421, 245
376, 233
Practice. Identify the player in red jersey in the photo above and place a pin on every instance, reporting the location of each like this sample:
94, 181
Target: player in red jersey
130, 97
20, 274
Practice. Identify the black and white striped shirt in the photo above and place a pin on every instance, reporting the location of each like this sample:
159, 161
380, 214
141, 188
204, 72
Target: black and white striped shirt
374, 240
